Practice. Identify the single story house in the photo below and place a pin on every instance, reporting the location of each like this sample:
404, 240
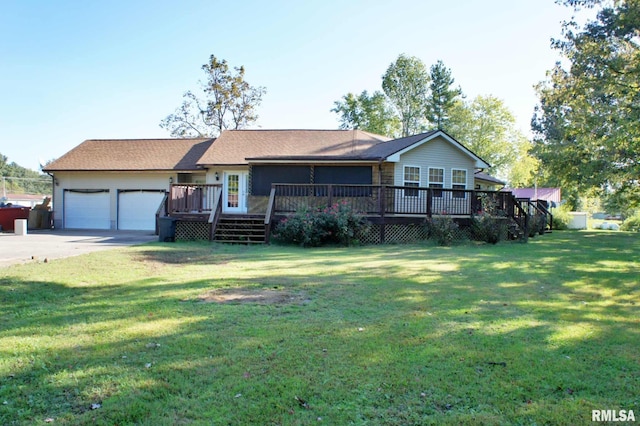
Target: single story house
126, 184
249, 162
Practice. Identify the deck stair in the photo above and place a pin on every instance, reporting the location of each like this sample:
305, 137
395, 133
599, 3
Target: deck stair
515, 232
240, 229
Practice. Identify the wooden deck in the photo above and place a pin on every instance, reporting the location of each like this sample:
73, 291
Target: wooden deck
381, 204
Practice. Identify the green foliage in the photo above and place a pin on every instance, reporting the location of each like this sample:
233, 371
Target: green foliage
338, 224
631, 223
229, 102
406, 84
442, 97
561, 217
537, 224
489, 228
20, 180
625, 200
586, 124
371, 113
443, 230
523, 171
488, 128
490, 224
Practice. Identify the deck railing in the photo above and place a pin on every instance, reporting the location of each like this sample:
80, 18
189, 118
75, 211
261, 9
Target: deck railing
538, 208
390, 200
370, 200
192, 198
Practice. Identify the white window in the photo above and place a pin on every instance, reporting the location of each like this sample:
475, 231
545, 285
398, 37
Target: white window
459, 181
411, 178
436, 180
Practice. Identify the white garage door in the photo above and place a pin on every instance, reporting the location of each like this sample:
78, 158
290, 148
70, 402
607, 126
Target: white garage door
87, 210
137, 209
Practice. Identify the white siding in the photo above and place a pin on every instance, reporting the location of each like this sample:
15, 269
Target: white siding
436, 153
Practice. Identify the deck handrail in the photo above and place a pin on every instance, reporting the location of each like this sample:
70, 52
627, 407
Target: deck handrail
192, 198
161, 211
538, 208
270, 210
382, 200
216, 212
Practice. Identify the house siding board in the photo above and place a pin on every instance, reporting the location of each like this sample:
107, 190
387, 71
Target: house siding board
437, 153
387, 174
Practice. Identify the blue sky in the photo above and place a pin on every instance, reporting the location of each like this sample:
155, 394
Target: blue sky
76, 70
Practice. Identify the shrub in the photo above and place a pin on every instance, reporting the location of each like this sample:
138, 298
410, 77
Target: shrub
338, 224
632, 223
442, 229
301, 228
561, 217
488, 228
537, 224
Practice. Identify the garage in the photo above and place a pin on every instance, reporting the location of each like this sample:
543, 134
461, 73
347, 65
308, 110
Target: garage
137, 209
87, 209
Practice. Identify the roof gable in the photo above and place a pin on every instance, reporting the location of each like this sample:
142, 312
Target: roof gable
392, 150
133, 154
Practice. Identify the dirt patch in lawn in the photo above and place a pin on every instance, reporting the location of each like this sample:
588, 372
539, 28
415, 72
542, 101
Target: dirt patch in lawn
255, 296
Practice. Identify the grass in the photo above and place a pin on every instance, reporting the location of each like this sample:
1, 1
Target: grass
530, 334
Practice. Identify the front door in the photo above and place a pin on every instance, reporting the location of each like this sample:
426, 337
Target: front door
235, 192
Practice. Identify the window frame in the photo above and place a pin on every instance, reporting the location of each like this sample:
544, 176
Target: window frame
461, 187
411, 182
437, 190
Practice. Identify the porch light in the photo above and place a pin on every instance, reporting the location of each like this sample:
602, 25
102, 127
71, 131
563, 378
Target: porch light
217, 176
170, 180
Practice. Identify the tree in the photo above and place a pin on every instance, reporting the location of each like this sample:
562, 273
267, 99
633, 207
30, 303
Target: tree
371, 113
17, 179
229, 102
442, 97
587, 123
487, 127
406, 84
523, 170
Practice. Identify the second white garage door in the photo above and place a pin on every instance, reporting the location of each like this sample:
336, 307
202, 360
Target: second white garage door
137, 209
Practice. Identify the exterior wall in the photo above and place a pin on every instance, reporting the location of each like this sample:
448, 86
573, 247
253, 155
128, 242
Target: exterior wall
437, 153
113, 181
386, 175
211, 173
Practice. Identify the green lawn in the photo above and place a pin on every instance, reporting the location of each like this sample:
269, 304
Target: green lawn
190, 333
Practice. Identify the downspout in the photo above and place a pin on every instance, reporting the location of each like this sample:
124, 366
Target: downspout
53, 196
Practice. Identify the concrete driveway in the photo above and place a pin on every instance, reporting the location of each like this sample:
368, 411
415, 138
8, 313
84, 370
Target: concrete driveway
55, 244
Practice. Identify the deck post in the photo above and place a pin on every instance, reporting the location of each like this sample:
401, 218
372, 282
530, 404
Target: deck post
381, 198
330, 195
429, 202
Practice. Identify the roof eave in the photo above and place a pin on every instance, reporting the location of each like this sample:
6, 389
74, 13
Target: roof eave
124, 170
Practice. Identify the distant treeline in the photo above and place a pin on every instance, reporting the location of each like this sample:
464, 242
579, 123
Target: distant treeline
15, 179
